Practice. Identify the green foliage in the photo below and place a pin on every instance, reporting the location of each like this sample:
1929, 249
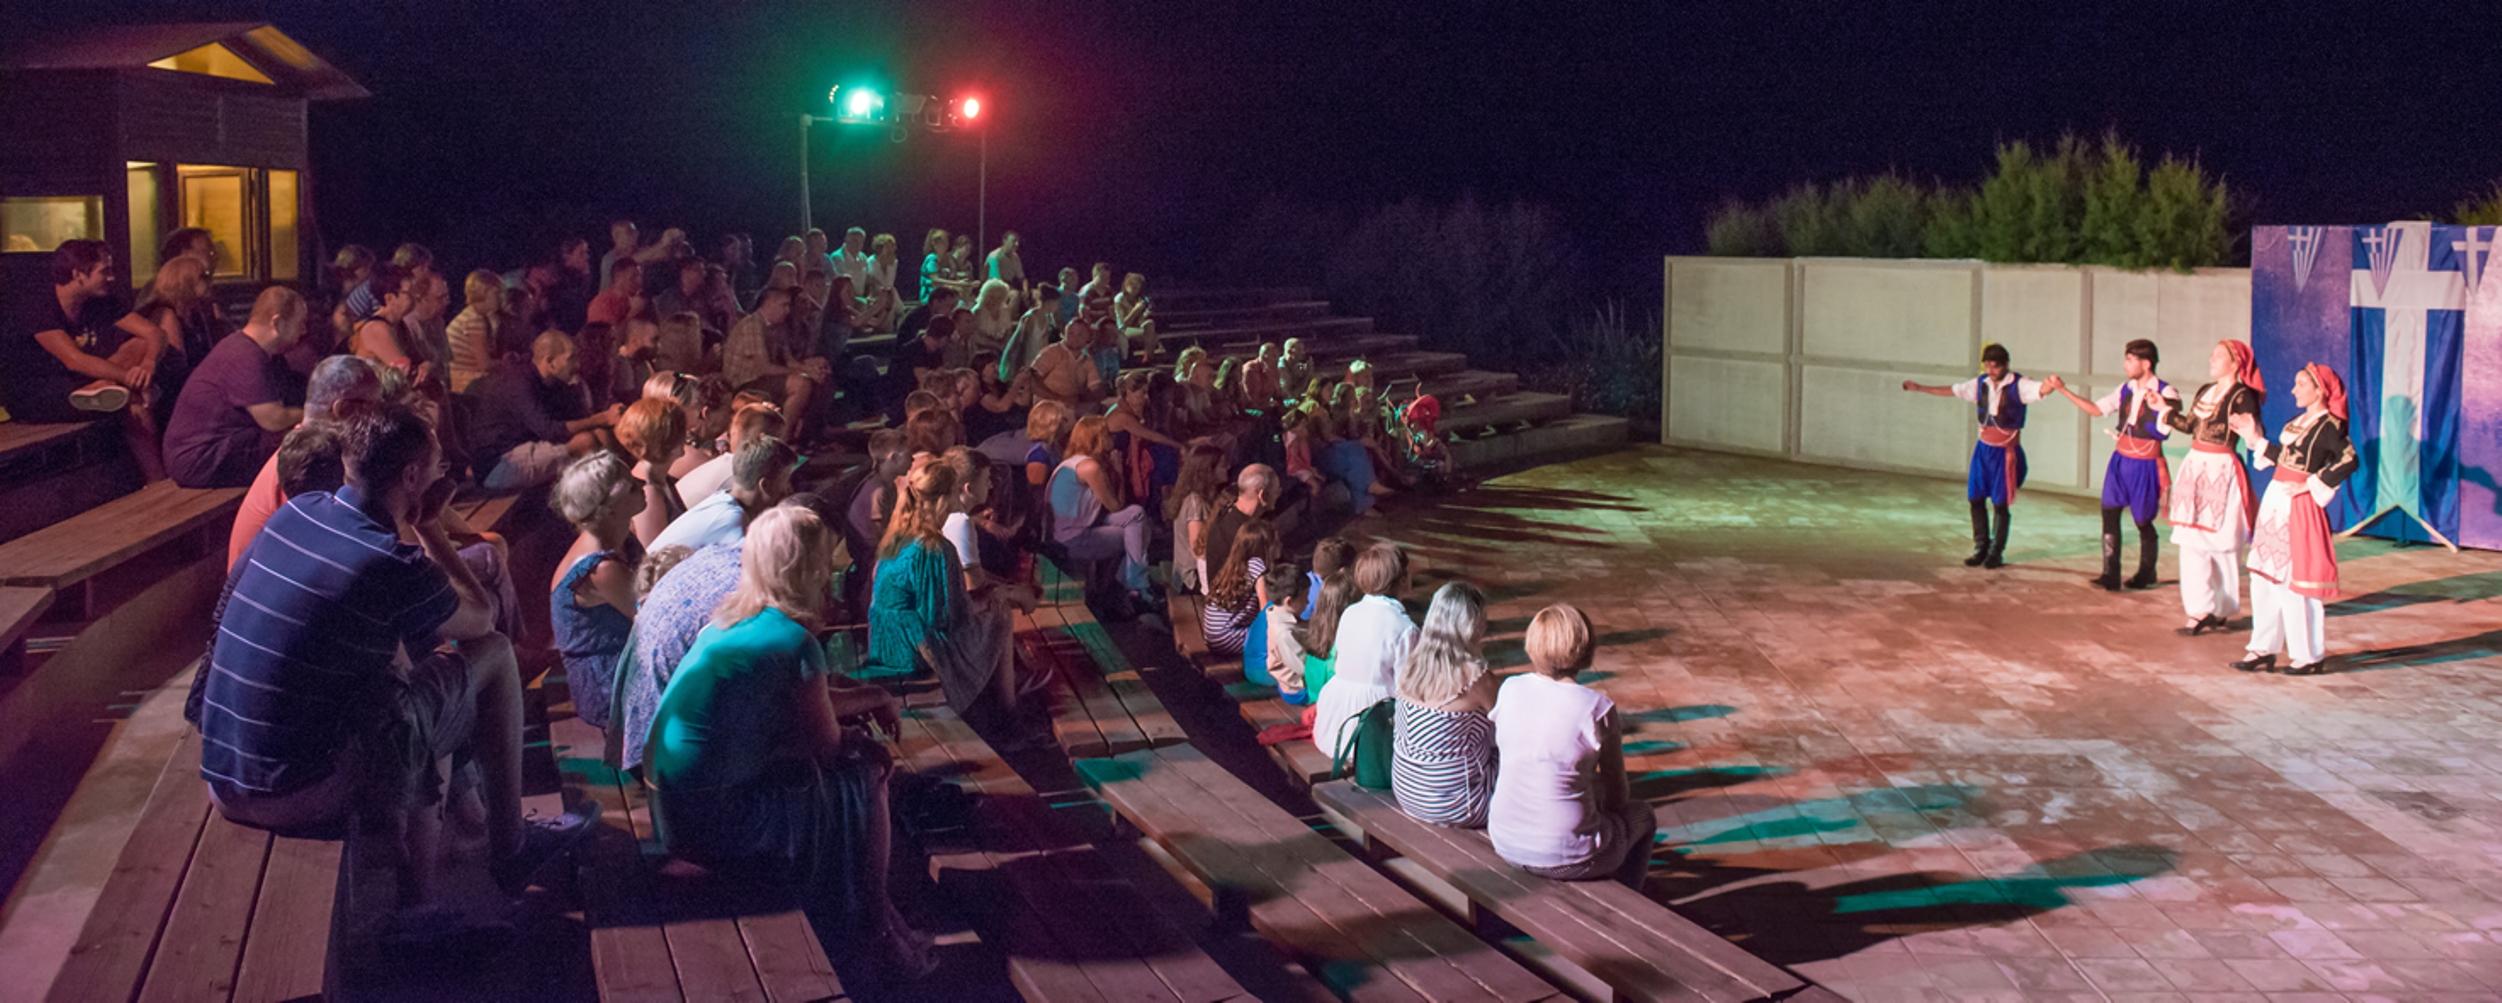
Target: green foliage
2078, 201
1613, 366
2481, 210
1491, 281
1738, 230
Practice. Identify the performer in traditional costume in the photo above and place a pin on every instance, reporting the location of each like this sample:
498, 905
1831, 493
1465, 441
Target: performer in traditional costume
2138, 476
2293, 555
1998, 397
2212, 504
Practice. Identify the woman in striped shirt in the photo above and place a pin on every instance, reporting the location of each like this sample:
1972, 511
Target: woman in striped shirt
1233, 602
1442, 760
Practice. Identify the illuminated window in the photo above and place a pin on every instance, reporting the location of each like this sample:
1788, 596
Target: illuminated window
219, 200
42, 222
284, 248
213, 60
147, 220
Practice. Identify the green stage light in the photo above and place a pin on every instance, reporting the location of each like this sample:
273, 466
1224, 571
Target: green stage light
862, 103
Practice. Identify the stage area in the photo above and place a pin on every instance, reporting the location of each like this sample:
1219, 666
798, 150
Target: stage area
1912, 779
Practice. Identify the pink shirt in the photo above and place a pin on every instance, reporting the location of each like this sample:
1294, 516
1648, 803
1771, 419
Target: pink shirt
260, 501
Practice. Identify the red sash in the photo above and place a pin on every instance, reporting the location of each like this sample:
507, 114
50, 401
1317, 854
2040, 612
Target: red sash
2314, 548
2152, 449
2005, 439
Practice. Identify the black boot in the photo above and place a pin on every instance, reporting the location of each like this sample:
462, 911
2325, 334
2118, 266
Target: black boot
1980, 534
1997, 556
2147, 548
2110, 580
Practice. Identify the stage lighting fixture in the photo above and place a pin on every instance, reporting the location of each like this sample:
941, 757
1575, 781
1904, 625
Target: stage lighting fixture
969, 109
863, 103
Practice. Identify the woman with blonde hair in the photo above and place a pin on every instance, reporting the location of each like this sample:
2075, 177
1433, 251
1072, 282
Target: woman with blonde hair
472, 332
1090, 518
994, 315
590, 602
921, 618
1562, 806
750, 757
1442, 758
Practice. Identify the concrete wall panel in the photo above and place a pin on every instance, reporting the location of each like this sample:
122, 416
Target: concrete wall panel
1729, 403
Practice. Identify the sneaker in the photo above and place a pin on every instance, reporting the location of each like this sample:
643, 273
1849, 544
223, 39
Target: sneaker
542, 841
101, 395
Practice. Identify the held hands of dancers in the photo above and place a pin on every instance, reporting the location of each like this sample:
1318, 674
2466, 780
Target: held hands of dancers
2245, 426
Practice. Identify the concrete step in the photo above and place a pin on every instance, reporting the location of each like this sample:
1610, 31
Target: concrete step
1503, 411
1247, 337
1572, 435
1235, 316
1450, 387
1210, 297
1397, 366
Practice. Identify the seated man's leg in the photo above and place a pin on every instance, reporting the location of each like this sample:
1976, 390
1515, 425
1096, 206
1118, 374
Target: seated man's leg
531, 464
462, 703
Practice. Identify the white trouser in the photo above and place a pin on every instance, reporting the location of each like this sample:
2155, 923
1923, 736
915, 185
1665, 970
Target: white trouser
2211, 582
2282, 617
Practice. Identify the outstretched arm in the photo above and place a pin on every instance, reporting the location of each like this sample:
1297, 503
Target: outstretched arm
2087, 406
1933, 391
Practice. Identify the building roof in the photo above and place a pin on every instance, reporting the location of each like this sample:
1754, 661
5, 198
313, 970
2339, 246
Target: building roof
285, 61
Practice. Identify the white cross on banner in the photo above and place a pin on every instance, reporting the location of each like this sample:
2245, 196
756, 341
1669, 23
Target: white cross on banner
2393, 275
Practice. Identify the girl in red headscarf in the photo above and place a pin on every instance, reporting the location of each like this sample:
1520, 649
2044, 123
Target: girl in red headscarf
2293, 556
2212, 504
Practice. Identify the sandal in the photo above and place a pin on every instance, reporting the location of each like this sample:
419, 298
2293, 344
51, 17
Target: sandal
2204, 624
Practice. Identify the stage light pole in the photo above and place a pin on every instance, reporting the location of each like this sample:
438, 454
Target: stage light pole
866, 106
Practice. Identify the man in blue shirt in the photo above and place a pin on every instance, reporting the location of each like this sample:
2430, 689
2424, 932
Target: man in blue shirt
760, 477
347, 665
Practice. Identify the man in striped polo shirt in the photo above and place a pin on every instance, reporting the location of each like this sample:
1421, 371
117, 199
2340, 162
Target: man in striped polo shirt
347, 665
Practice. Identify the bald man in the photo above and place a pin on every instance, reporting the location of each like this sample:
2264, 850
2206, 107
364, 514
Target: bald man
533, 416
233, 411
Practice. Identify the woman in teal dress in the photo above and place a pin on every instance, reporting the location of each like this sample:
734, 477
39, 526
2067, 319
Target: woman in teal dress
752, 768
922, 618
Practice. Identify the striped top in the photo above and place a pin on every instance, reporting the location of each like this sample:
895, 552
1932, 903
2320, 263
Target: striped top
325, 600
1226, 629
1442, 765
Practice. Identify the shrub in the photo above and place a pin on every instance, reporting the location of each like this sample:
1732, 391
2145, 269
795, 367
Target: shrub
2076, 202
2481, 210
1488, 281
1613, 368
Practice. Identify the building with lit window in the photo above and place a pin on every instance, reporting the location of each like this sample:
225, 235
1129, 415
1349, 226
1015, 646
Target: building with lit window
125, 133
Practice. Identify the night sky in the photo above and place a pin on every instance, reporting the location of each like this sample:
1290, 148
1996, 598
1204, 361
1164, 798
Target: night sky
1141, 133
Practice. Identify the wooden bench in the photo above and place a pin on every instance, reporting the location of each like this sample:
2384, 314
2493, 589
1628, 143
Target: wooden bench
200, 908
1077, 922
657, 935
21, 437
64, 555
1259, 706
1112, 709
1364, 936
20, 607
1632, 945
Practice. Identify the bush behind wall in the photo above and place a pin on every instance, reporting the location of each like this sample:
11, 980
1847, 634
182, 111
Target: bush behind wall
2074, 202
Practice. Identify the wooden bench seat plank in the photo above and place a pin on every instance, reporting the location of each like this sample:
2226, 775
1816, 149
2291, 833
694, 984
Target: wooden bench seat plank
1039, 964
1300, 758
1345, 911
288, 953
24, 435
1640, 947
112, 951
1497, 976
1154, 724
202, 947
20, 607
1072, 721
788, 960
1063, 877
629, 953
1260, 876
76, 549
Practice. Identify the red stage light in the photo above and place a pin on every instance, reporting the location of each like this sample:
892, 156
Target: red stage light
969, 109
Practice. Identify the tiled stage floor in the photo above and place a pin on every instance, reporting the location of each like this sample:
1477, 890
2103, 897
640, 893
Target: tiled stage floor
1914, 780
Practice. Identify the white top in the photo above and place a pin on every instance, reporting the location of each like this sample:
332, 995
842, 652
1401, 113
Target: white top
2137, 402
2027, 390
959, 530
1374, 636
1547, 735
1285, 650
708, 478
716, 519
852, 266
880, 276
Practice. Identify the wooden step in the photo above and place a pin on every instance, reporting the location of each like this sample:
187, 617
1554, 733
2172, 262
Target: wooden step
1451, 387
1229, 316
67, 553
1206, 297
1572, 435
1396, 366
1503, 410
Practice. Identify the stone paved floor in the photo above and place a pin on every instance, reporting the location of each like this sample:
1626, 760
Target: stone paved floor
1914, 780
